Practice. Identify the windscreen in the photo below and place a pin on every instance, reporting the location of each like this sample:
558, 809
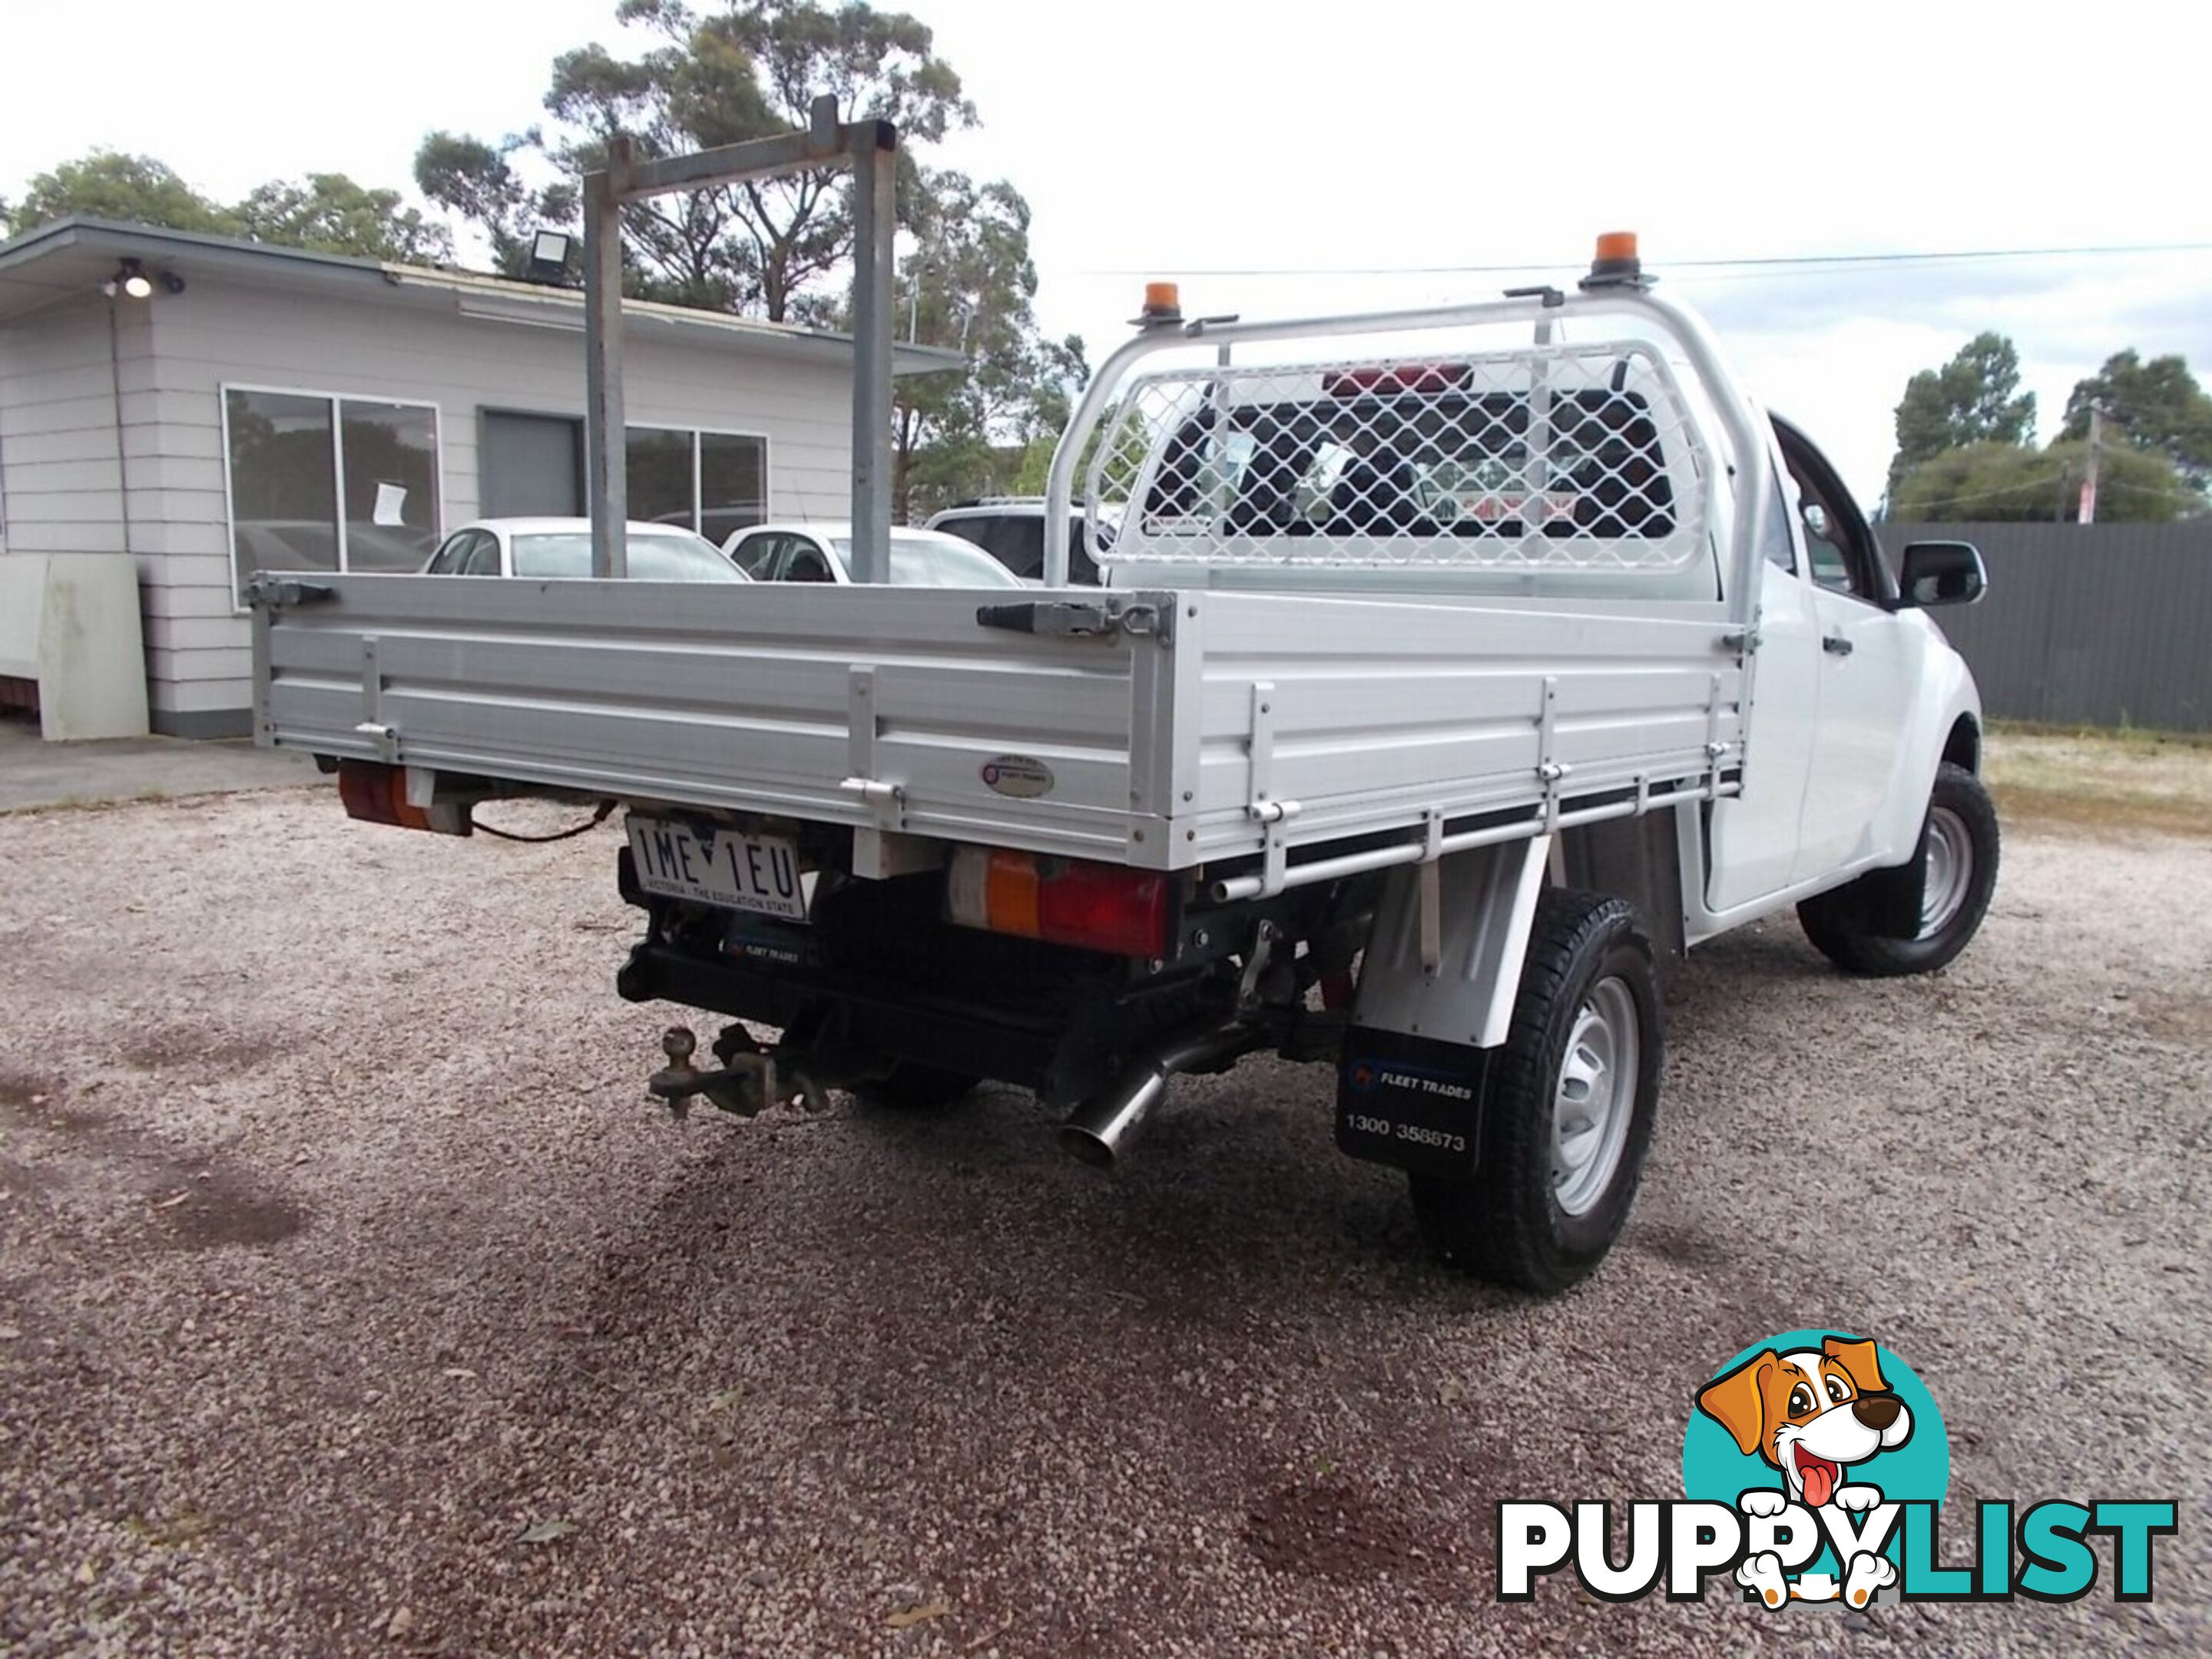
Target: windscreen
1016, 541
922, 558
652, 558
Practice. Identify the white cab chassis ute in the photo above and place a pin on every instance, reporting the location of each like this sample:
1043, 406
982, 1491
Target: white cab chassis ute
1454, 671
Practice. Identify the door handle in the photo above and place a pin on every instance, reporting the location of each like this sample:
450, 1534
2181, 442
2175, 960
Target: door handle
1836, 645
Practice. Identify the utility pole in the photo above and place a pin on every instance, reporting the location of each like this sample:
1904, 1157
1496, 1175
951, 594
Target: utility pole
2087, 512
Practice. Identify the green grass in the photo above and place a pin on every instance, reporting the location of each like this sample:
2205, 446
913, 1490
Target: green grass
2123, 736
2102, 779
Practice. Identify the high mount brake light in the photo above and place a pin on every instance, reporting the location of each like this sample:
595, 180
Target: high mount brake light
1097, 906
1397, 377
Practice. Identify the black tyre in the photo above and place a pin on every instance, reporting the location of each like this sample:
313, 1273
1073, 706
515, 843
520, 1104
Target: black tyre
1959, 842
1567, 1119
913, 1088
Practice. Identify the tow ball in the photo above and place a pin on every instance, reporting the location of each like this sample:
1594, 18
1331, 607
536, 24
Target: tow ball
748, 1081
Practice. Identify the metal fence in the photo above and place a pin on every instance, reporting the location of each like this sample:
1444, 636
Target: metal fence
2086, 625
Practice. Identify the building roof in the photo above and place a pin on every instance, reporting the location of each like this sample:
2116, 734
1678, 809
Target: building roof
71, 257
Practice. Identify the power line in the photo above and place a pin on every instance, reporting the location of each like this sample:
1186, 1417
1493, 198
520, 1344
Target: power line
2026, 486
2062, 478
1777, 263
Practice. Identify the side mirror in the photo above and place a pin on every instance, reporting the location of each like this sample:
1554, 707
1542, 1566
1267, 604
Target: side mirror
1941, 573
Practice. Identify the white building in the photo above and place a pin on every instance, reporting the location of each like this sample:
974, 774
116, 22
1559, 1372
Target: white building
261, 407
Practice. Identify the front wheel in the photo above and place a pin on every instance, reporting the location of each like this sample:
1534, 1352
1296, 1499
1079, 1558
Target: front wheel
1567, 1119
1959, 837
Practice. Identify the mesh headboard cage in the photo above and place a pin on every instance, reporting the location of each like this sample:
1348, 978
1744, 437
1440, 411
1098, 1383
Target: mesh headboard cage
1580, 455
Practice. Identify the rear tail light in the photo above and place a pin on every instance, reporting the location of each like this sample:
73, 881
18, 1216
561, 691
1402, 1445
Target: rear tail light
376, 793
1097, 906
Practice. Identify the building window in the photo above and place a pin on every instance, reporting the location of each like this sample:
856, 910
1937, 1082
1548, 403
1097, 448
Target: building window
319, 482
714, 483
732, 484
662, 487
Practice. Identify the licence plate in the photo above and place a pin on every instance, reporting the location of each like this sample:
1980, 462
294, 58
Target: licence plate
714, 866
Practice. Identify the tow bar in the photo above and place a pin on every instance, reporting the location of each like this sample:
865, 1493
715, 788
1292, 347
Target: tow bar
750, 1080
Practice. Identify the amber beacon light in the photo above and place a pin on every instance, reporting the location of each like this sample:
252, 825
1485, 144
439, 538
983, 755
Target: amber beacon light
1616, 262
1162, 303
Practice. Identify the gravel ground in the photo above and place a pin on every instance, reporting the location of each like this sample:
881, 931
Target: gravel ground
352, 1299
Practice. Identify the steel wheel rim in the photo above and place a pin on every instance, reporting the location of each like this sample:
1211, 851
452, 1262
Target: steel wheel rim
1594, 1098
1950, 872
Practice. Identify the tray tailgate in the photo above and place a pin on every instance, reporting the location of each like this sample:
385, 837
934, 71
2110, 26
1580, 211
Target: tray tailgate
762, 698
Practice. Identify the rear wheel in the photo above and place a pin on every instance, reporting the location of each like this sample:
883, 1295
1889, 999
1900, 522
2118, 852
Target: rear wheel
909, 1087
1960, 841
1567, 1119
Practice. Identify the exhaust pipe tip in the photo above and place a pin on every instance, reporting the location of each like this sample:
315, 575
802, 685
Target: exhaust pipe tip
1101, 1130
1086, 1145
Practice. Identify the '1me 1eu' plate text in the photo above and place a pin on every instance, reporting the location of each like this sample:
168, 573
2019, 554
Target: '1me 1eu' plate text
717, 865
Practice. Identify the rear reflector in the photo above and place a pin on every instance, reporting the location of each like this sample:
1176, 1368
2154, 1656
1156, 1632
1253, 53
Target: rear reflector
1097, 906
376, 793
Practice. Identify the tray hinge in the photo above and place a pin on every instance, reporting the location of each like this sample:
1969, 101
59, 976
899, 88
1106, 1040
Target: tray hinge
1714, 747
885, 801
1272, 815
1431, 893
1550, 771
373, 725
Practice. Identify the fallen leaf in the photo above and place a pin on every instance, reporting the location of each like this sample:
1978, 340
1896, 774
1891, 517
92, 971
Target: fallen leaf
402, 1622
86, 1574
546, 1532
188, 1525
990, 1635
724, 1400
922, 1615
461, 1373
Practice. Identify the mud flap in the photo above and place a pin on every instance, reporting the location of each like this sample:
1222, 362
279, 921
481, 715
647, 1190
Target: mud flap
1889, 899
1413, 1103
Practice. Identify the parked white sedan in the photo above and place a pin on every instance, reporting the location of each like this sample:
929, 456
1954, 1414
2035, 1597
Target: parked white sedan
823, 553
563, 548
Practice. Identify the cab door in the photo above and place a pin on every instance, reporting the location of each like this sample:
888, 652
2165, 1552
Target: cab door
1753, 836
1863, 668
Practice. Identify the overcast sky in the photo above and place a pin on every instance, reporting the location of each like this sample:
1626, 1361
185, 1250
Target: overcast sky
1175, 136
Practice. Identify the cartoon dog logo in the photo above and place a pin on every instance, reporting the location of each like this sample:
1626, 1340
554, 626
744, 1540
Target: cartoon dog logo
1810, 1413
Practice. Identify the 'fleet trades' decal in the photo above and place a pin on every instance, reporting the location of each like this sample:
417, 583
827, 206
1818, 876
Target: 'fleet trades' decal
1019, 775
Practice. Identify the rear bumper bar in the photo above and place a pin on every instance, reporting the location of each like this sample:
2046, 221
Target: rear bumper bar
899, 1022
